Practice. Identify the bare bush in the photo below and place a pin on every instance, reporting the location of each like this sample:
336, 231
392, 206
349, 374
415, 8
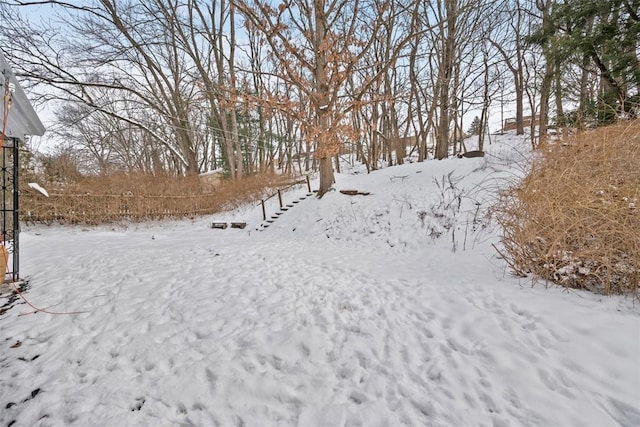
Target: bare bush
575, 220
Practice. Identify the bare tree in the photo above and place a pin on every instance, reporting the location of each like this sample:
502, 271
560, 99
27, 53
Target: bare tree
452, 38
508, 39
318, 45
165, 55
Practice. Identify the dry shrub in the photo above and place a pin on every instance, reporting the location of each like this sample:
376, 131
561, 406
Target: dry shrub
139, 197
575, 220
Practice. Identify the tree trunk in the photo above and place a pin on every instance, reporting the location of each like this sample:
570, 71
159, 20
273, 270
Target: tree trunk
442, 138
325, 147
375, 136
519, 87
560, 119
545, 96
326, 175
485, 102
235, 135
584, 93
550, 68
445, 74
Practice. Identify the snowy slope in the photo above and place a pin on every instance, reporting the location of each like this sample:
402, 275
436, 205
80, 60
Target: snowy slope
383, 310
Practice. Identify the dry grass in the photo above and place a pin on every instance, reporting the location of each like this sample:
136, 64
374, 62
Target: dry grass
575, 220
139, 197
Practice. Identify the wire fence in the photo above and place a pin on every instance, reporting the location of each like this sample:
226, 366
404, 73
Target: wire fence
87, 208
140, 204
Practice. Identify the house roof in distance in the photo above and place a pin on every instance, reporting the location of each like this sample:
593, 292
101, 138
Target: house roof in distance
22, 118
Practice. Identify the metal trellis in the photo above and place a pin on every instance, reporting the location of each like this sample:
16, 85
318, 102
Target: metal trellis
10, 211
18, 119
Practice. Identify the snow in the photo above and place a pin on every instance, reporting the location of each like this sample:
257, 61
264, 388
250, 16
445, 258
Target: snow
38, 188
383, 310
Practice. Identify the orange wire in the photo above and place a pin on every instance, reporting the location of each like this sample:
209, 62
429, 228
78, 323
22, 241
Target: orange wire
13, 284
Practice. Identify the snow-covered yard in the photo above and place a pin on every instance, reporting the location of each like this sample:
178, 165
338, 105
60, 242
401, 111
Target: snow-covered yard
383, 310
